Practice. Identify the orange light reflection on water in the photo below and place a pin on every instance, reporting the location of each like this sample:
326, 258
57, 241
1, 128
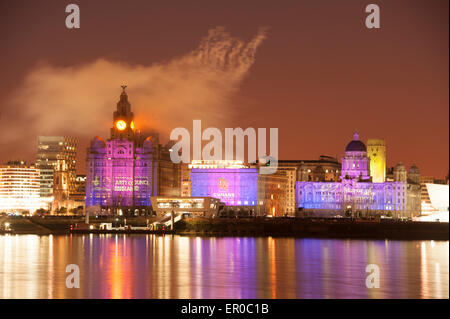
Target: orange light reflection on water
149, 266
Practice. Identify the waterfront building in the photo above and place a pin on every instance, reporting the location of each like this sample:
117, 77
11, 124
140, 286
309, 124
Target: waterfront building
376, 150
239, 186
326, 168
438, 194
426, 205
19, 188
61, 189
80, 189
56, 152
233, 186
290, 171
78, 196
124, 171
435, 200
272, 193
435, 196
185, 180
65, 200
193, 206
356, 193
439, 199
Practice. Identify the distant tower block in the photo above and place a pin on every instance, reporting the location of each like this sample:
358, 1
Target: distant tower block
376, 151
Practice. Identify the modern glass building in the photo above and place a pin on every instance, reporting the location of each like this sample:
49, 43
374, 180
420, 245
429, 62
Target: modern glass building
239, 186
56, 151
232, 186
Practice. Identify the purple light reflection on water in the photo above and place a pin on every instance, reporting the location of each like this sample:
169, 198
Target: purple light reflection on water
148, 266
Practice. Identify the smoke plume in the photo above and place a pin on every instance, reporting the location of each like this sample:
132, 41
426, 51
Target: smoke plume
79, 100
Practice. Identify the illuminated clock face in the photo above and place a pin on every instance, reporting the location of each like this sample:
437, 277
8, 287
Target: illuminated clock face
132, 125
121, 125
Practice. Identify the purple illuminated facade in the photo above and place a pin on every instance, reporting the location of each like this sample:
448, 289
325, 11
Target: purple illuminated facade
233, 186
356, 192
124, 171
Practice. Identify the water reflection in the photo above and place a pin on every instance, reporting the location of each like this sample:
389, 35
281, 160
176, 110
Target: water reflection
148, 266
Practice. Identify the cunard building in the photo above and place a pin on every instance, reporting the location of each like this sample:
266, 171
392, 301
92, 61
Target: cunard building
124, 171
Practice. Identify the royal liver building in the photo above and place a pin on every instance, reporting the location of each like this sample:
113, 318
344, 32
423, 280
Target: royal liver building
124, 171
398, 194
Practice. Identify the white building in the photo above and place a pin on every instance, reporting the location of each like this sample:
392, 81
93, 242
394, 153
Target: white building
19, 188
355, 193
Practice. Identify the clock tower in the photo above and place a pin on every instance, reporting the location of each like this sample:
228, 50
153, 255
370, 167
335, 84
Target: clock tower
123, 119
124, 171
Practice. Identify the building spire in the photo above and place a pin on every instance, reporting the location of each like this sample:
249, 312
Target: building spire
123, 95
123, 106
123, 118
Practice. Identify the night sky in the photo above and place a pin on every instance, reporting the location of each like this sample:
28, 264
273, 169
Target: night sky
309, 68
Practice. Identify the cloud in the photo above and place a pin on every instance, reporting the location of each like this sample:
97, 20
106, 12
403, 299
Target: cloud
79, 100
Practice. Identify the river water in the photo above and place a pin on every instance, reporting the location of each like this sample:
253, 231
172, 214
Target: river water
151, 266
